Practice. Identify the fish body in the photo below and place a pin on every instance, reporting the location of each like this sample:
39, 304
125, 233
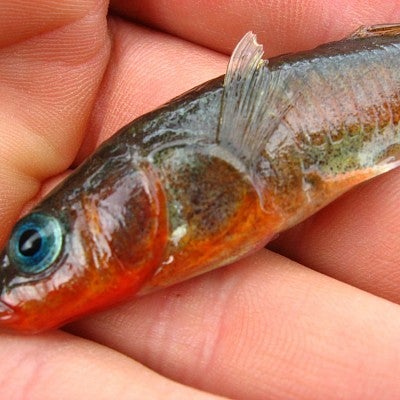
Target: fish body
207, 178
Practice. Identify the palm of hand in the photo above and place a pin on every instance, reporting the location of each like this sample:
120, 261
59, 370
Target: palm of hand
266, 327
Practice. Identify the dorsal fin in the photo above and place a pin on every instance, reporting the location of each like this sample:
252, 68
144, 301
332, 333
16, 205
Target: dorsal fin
254, 101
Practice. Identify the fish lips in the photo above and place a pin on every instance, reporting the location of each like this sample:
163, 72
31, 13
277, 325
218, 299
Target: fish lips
6, 312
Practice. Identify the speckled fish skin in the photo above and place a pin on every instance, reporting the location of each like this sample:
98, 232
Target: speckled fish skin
214, 175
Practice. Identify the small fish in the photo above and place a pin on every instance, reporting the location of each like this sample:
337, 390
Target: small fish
207, 178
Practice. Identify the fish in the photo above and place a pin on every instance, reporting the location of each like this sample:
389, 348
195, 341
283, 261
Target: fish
207, 178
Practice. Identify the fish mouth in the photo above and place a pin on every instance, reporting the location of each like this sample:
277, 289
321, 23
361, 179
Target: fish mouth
6, 312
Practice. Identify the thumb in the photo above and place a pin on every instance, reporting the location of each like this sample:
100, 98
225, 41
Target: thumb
50, 71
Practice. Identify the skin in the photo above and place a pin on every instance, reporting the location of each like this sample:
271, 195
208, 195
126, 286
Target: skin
321, 324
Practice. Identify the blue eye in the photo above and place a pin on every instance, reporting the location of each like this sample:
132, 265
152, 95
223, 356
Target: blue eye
35, 243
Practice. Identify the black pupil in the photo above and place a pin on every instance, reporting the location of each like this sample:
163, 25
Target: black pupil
30, 243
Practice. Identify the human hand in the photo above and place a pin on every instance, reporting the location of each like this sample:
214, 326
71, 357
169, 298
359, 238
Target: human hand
264, 328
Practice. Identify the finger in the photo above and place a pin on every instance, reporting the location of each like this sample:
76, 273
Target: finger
59, 366
21, 19
147, 68
356, 239
265, 328
283, 26
47, 84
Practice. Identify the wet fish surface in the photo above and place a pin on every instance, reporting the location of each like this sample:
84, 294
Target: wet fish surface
207, 178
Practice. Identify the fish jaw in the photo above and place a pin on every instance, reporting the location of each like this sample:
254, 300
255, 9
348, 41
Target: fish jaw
7, 314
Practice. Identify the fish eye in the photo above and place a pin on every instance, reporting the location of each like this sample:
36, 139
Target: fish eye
35, 243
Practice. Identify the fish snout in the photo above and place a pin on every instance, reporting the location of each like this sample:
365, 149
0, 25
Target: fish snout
6, 312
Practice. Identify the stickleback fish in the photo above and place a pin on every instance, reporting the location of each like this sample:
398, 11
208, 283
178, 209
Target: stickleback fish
207, 178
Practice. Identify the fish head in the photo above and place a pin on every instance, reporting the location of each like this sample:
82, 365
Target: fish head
82, 249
